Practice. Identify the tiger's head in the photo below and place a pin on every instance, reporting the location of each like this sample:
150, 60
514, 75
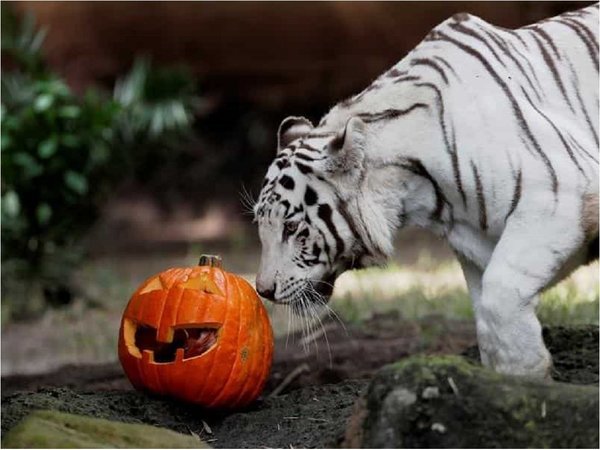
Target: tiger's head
307, 231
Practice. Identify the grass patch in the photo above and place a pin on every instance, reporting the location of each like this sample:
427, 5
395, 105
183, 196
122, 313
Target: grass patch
422, 290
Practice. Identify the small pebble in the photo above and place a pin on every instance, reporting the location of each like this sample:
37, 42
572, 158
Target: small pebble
430, 392
440, 428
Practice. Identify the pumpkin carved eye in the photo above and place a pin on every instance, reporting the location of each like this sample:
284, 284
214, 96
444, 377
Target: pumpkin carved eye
201, 282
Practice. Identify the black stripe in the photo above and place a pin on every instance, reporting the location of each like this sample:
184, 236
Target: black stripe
416, 167
303, 233
516, 109
282, 163
394, 72
306, 157
341, 207
316, 250
504, 48
526, 59
480, 198
390, 113
326, 248
286, 205
321, 134
450, 148
516, 195
560, 136
546, 37
582, 105
447, 64
429, 63
555, 74
585, 35
547, 58
287, 182
325, 214
304, 168
310, 196
580, 147
516, 34
470, 32
407, 78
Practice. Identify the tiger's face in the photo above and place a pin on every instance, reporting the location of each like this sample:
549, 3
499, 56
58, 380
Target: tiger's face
307, 238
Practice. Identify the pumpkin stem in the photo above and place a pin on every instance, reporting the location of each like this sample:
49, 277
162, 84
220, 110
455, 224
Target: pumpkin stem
210, 260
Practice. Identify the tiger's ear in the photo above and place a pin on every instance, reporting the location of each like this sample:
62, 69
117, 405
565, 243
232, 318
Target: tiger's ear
291, 129
346, 151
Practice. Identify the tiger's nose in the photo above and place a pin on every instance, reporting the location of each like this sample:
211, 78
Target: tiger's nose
268, 293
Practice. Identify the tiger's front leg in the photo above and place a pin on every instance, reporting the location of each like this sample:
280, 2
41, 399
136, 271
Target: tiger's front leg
526, 259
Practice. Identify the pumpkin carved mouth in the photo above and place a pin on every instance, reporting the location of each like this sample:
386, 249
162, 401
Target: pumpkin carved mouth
192, 341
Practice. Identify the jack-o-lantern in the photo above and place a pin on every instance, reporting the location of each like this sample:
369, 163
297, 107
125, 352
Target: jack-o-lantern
199, 334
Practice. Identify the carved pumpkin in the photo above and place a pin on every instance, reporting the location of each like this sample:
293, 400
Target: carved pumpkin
199, 334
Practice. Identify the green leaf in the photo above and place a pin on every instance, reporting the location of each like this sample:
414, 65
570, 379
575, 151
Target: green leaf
70, 140
43, 102
69, 112
47, 148
76, 182
100, 153
31, 167
43, 213
6, 142
11, 206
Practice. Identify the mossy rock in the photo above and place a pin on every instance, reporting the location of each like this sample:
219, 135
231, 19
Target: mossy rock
53, 429
448, 402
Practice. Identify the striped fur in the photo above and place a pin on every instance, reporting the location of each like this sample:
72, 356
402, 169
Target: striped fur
486, 136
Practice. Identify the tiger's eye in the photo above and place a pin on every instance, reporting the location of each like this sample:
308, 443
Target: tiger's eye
291, 227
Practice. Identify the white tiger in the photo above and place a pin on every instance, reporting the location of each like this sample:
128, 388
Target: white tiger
486, 136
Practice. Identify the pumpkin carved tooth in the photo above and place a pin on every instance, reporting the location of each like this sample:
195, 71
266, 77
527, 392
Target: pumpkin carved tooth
192, 341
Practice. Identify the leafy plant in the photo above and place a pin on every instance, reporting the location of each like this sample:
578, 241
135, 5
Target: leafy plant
62, 154
56, 164
22, 41
157, 114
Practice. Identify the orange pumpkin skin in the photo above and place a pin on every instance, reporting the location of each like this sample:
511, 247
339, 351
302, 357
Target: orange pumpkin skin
231, 373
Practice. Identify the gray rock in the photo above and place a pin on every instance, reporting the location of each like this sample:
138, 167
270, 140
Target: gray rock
465, 405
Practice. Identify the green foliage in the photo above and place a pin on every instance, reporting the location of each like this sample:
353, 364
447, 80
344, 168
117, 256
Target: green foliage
55, 160
56, 164
21, 41
157, 115
62, 154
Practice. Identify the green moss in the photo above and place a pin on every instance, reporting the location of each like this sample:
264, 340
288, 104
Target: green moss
44, 429
428, 367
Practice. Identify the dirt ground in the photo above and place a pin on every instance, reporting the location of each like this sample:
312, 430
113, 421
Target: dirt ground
309, 397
